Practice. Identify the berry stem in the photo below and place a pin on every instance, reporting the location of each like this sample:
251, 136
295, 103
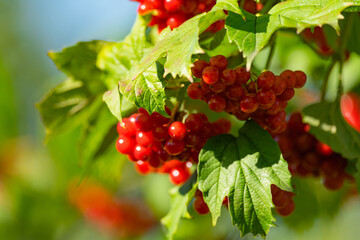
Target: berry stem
271, 53
326, 79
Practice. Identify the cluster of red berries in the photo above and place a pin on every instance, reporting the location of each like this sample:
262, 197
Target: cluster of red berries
284, 204
173, 13
232, 91
157, 144
306, 156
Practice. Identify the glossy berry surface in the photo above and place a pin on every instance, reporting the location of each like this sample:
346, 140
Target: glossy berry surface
177, 130
179, 174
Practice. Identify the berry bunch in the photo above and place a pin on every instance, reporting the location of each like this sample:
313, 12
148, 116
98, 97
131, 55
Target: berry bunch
232, 91
201, 207
283, 201
306, 156
151, 141
173, 13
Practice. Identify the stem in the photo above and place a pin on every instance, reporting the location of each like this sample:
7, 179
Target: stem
174, 111
326, 80
271, 54
268, 5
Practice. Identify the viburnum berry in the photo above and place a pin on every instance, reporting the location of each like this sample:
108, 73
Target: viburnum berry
144, 138
142, 167
265, 80
287, 210
249, 104
173, 5
287, 94
126, 127
194, 91
175, 20
142, 153
265, 98
174, 147
242, 76
279, 86
198, 68
217, 103
235, 92
179, 174
219, 61
210, 75
218, 87
194, 122
177, 130
300, 79
289, 77
228, 76
125, 144
144, 122
200, 206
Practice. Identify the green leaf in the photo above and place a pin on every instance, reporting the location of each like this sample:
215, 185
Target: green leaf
178, 45
243, 169
180, 199
147, 90
79, 62
252, 33
354, 33
329, 126
67, 106
355, 7
117, 104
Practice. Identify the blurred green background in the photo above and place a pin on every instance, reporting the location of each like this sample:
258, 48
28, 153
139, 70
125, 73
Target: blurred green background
38, 194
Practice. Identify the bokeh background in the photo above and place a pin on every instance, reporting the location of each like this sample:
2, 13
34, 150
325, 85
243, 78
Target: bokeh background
42, 192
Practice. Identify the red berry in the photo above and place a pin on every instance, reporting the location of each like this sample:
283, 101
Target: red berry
334, 183
281, 198
192, 139
323, 149
289, 78
287, 94
144, 8
126, 127
194, 91
162, 155
177, 130
219, 61
179, 175
142, 153
175, 20
218, 87
174, 147
287, 210
228, 76
265, 80
217, 103
274, 122
142, 167
200, 206
167, 166
242, 76
235, 92
300, 79
210, 75
198, 68
144, 138
250, 6
265, 98
161, 133
189, 6
279, 86
125, 144
159, 119
144, 122
242, 116
221, 126
172, 5
194, 122
249, 104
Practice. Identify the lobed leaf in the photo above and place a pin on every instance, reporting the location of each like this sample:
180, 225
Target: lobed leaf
252, 33
243, 169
